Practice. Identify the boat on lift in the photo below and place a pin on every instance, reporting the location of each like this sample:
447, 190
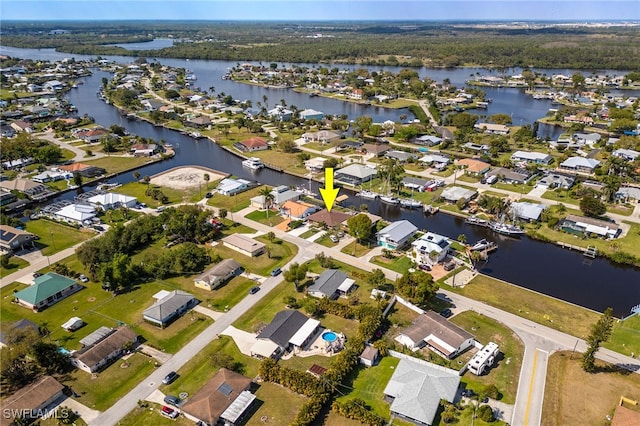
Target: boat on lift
506, 229
410, 203
483, 245
253, 163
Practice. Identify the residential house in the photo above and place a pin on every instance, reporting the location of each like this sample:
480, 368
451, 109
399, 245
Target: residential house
200, 121
17, 164
22, 126
13, 239
311, 114
31, 401
356, 94
427, 140
231, 186
217, 275
354, 174
280, 113
376, 149
46, 290
628, 193
225, 399
624, 416
281, 194
28, 187
85, 170
97, 356
435, 160
91, 135
430, 248
473, 167
527, 211
331, 284
322, 136
289, 330
589, 139
415, 183
243, 244
6, 131
454, 193
144, 150
168, 307
579, 165
437, 333
298, 210
480, 149
251, 144
518, 176
626, 154
14, 331
332, 219
112, 200
315, 164
491, 128
7, 197
417, 387
53, 85
556, 180
370, 356
51, 176
151, 104
531, 157
78, 214
396, 235
581, 225
401, 156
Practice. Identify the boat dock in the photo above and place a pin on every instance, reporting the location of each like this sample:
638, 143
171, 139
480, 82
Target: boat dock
590, 251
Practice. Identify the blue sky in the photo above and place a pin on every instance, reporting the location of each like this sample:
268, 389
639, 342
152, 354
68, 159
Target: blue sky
314, 10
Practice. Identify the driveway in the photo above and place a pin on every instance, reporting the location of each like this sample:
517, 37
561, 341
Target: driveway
243, 339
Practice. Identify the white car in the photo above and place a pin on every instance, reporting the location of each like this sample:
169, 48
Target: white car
83, 278
334, 238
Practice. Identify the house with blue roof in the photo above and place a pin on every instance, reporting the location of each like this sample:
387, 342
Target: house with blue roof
47, 290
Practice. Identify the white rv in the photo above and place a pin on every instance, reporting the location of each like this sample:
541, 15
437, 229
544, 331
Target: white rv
483, 359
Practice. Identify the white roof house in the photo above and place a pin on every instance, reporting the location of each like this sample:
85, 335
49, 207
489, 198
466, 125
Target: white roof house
417, 387
230, 186
315, 164
396, 234
454, 193
112, 200
434, 158
579, 164
431, 243
627, 154
311, 114
527, 211
75, 213
531, 157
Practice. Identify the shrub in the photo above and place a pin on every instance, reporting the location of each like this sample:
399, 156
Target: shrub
491, 391
486, 413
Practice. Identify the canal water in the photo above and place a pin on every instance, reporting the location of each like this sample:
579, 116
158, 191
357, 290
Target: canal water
543, 267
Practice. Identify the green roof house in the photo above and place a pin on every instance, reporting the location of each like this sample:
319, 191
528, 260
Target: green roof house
46, 290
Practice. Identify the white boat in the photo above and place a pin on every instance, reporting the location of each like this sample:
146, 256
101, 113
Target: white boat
506, 229
368, 195
388, 199
253, 163
410, 203
483, 245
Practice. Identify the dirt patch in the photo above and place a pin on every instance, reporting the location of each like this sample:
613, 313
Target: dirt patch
574, 397
185, 177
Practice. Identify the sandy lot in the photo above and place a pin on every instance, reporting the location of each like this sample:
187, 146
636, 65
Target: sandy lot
185, 177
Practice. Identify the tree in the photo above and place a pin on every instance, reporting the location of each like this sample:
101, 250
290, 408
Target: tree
136, 175
592, 206
222, 213
271, 236
77, 179
286, 144
268, 198
359, 227
296, 273
462, 238
376, 278
600, 333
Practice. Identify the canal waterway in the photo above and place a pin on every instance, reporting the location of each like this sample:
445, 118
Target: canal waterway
543, 267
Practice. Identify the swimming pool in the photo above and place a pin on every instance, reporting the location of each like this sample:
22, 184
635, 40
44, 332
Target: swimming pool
329, 336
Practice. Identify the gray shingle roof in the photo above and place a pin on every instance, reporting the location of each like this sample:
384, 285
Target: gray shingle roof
328, 282
283, 326
167, 305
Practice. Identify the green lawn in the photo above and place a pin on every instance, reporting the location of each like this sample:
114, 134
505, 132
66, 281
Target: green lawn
561, 196
55, 237
261, 217
310, 232
400, 264
151, 416
277, 403
15, 264
368, 384
325, 240
138, 190
118, 164
111, 384
264, 311
505, 374
469, 178
358, 248
234, 203
625, 337
519, 188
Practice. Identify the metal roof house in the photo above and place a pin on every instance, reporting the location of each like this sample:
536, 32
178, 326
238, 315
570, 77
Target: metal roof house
218, 274
288, 330
396, 234
330, 284
579, 165
531, 157
243, 244
230, 186
438, 333
355, 174
47, 290
168, 307
527, 211
105, 351
417, 387
580, 225
454, 193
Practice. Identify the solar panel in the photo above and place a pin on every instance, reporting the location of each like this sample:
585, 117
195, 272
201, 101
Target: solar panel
6, 235
225, 389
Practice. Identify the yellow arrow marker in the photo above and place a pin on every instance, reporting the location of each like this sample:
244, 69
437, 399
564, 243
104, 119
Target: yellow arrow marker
329, 193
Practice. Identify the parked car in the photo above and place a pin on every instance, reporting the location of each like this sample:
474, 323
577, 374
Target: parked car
334, 238
449, 266
424, 267
446, 313
254, 290
37, 274
83, 278
172, 400
276, 272
468, 393
209, 195
169, 412
170, 378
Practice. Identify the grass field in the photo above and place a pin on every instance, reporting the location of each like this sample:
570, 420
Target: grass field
55, 237
278, 404
625, 337
261, 217
357, 249
574, 397
400, 264
325, 240
151, 416
310, 232
138, 190
15, 264
118, 164
507, 370
236, 202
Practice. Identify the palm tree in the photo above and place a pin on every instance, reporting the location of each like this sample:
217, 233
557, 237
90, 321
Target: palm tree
268, 198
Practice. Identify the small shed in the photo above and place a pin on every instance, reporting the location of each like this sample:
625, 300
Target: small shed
73, 324
370, 356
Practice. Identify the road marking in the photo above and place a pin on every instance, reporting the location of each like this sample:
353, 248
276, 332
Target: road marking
533, 373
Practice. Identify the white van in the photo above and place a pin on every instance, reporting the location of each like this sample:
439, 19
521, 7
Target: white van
491, 180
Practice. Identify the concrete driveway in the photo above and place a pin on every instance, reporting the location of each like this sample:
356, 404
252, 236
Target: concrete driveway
243, 340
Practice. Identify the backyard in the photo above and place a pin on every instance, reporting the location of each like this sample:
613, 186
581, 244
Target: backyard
55, 237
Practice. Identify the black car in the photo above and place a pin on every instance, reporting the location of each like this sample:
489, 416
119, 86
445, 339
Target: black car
208, 195
170, 378
172, 400
446, 313
37, 274
254, 290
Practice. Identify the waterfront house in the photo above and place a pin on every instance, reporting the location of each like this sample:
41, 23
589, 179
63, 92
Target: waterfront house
95, 357
168, 307
28, 187
53, 85
417, 388
225, 399
231, 186
251, 144
298, 210
473, 167
46, 290
418, 184
281, 194
85, 170
579, 165
354, 174
311, 114
112, 200
331, 284
437, 333
280, 113
13, 239
51, 176
588, 226
531, 157
199, 122
332, 219
491, 128
589, 139
7, 197
289, 330
430, 248
315, 164
454, 193
356, 94
217, 275
527, 211
32, 401
91, 135
76, 214
144, 150
243, 244
396, 235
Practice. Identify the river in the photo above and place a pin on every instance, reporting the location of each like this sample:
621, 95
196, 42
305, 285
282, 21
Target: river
546, 268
